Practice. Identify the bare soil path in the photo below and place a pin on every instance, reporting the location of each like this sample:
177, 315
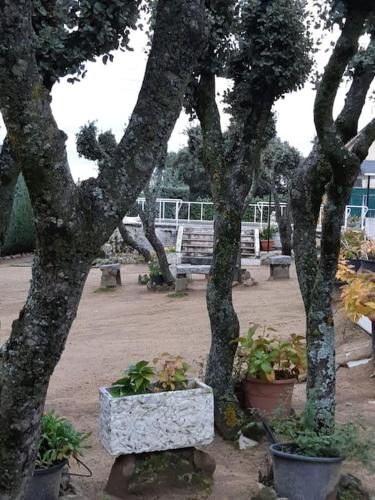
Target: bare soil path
114, 329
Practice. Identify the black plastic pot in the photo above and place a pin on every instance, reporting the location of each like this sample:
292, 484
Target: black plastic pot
45, 483
298, 477
355, 263
368, 265
157, 280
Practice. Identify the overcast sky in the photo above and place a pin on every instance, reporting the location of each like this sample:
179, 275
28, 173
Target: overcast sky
108, 94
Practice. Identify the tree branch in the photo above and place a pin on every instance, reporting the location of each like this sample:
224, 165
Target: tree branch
364, 73
176, 44
346, 47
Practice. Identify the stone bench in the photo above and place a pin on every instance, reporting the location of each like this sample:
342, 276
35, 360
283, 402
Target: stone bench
279, 267
111, 275
183, 271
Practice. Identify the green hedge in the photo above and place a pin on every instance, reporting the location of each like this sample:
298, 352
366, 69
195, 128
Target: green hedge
20, 236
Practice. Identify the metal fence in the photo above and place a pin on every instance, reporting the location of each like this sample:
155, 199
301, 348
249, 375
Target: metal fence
175, 211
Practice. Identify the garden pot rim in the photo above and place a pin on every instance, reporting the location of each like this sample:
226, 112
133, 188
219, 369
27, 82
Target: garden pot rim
51, 469
302, 458
276, 382
198, 385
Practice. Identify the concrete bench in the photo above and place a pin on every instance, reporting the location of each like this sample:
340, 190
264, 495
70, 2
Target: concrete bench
279, 267
111, 275
183, 271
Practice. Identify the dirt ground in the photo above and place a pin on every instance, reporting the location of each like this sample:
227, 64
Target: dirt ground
115, 329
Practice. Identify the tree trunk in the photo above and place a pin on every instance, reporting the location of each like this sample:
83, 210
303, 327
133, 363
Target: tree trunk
28, 359
148, 216
71, 221
9, 172
229, 418
133, 243
321, 380
284, 221
157, 245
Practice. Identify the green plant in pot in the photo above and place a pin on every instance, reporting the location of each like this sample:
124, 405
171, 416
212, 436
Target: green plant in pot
156, 407
266, 238
351, 246
59, 442
137, 380
368, 255
273, 366
156, 276
307, 462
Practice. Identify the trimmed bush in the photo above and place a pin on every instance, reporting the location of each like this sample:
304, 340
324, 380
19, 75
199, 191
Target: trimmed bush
20, 236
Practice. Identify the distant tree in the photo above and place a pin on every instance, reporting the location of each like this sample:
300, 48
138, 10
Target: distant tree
185, 169
101, 147
279, 163
20, 235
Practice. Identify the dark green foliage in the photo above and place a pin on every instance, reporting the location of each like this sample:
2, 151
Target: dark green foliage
96, 146
272, 56
59, 441
20, 236
280, 161
72, 32
185, 176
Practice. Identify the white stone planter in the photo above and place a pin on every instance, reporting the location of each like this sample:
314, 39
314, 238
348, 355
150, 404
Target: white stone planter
157, 421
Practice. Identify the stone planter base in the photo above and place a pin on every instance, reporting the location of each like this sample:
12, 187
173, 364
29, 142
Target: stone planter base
140, 474
157, 421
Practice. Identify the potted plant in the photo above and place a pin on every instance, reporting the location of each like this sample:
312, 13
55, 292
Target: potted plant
267, 244
154, 408
308, 464
155, 275
368, 255
358, 299
273, 366
351, 243
58, 443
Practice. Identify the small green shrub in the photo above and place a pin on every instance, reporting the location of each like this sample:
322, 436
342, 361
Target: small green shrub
346, 441
59, 441
154, 267
137, 380
20, 236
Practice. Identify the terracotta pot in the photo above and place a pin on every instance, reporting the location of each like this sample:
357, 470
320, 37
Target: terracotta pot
269, 396
264, 245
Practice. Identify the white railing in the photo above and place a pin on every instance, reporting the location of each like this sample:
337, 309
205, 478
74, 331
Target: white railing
175, 210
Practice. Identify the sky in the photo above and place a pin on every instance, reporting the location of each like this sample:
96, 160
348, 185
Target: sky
109, 92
